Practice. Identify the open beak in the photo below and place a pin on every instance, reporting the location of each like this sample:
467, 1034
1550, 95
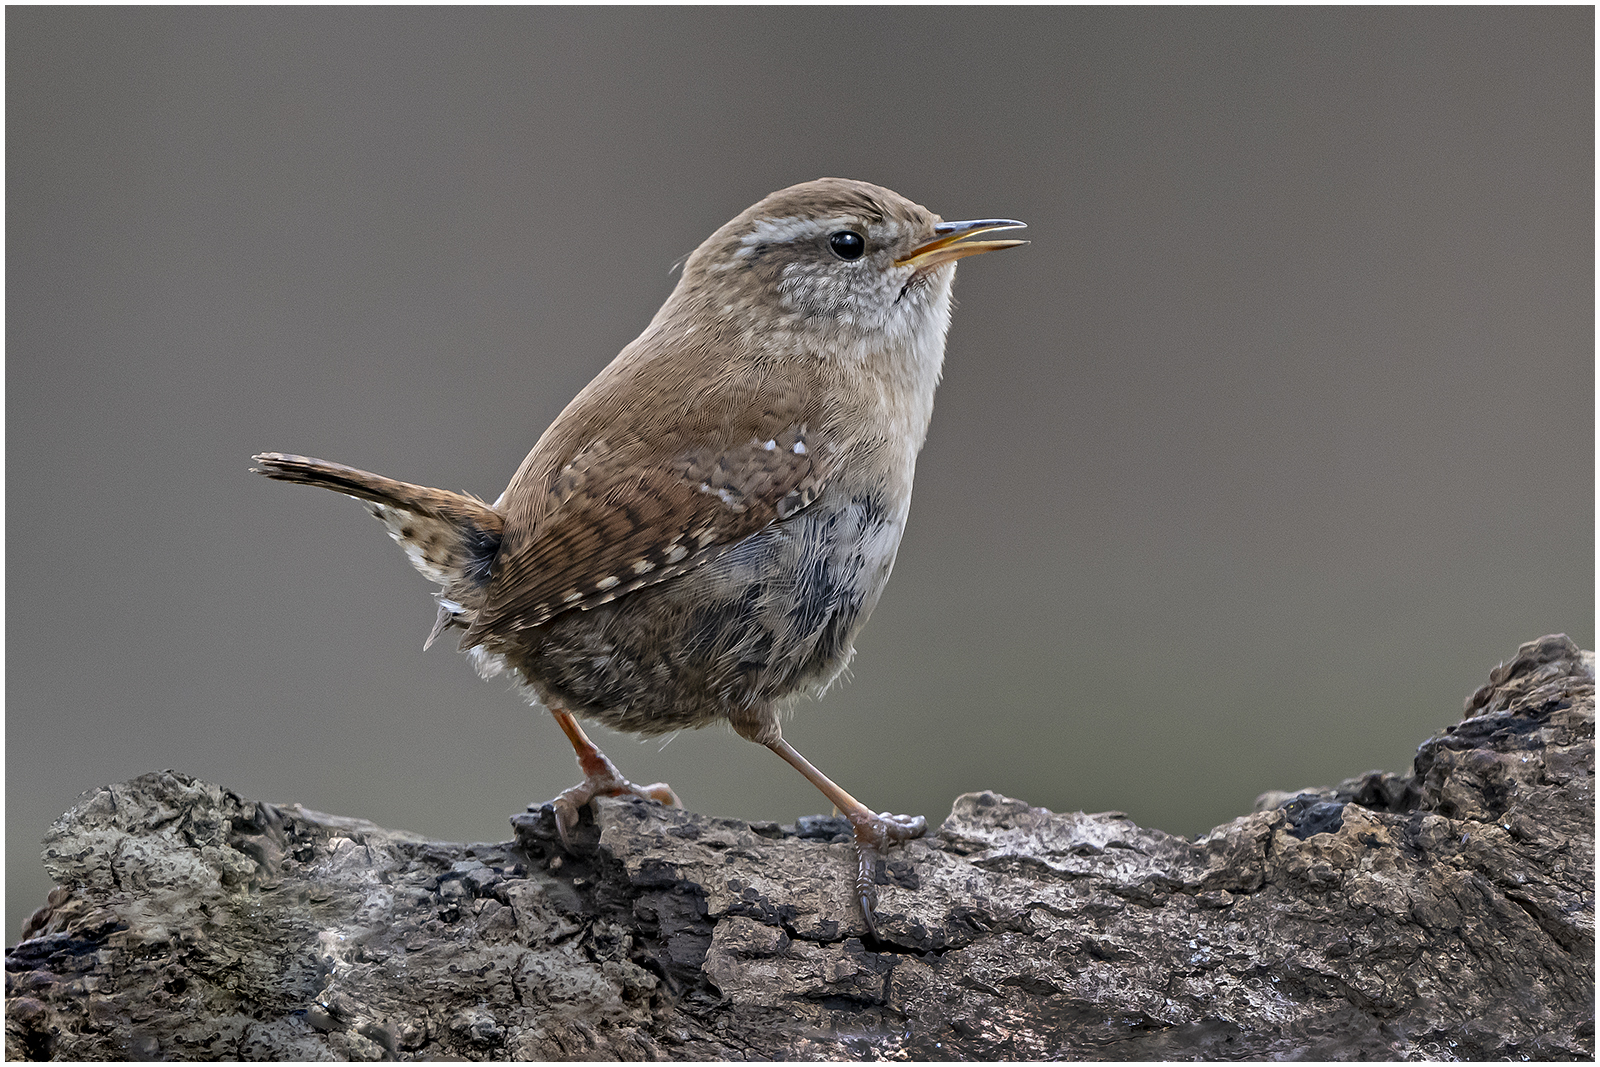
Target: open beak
950, 244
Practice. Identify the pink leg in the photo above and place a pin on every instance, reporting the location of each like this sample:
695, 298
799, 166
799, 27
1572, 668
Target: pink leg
600, 779
874, 832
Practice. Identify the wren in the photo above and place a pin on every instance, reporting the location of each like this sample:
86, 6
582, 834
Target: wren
704, 530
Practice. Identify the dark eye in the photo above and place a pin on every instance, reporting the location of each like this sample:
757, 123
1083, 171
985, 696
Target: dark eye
847, 244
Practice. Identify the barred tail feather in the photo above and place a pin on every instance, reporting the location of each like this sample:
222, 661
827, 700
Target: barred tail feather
451, 538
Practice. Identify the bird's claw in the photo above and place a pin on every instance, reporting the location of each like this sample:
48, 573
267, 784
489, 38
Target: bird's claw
566, 813
874, 835
571, 802
661, 793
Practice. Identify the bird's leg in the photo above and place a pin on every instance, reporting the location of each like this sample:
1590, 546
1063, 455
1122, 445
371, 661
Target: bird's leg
600, 779
874, 832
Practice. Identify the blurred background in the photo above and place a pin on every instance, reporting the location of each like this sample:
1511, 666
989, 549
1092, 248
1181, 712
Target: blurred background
1243, 475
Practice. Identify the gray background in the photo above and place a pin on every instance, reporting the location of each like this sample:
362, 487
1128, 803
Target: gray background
1243, 474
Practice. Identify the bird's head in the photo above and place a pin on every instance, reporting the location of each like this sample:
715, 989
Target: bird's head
850, 265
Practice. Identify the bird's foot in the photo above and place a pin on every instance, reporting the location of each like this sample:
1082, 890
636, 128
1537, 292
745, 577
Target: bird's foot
874, 835
603, 781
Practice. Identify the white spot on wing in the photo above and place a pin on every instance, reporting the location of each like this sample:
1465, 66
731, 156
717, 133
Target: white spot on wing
799, 448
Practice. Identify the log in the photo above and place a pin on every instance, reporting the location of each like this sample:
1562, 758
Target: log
1445, 914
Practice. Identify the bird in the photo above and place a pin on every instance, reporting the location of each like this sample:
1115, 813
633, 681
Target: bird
702, 533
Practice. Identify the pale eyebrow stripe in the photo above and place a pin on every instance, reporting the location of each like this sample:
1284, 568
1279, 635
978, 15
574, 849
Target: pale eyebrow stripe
782, 230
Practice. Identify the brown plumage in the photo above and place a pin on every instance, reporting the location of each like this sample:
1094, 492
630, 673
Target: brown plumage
703, 531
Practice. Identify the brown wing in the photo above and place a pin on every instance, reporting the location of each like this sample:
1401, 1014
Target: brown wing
615, 527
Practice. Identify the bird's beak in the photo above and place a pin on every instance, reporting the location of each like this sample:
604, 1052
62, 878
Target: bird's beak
950, 246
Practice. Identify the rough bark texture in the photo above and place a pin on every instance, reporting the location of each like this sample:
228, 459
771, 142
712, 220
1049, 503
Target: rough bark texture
1448, 914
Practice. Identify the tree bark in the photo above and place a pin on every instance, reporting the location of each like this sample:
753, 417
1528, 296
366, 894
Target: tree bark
1448, 914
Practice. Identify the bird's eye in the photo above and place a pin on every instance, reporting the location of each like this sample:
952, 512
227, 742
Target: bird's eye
847, 244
